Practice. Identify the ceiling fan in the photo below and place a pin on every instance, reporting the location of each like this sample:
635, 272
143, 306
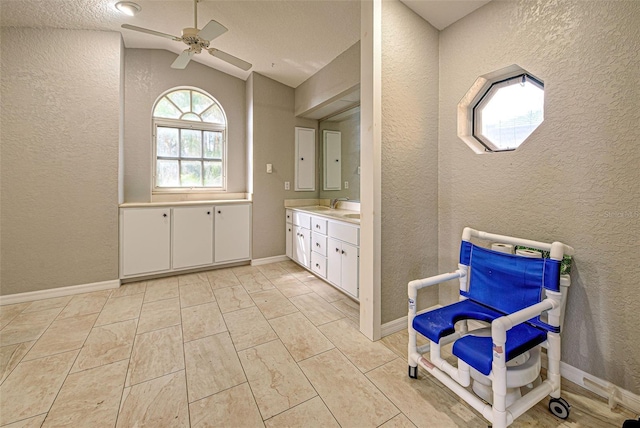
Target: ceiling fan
197, 40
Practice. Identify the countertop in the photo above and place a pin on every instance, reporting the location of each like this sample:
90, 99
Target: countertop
348, 216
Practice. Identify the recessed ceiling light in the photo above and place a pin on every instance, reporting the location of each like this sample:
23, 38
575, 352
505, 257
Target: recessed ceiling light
128, 7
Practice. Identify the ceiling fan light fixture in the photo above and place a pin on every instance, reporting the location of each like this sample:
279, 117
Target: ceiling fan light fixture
128, 7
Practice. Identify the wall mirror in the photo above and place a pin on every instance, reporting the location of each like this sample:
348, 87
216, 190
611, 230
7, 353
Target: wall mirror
340, 155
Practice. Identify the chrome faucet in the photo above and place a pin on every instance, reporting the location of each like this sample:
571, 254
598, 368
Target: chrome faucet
335, 201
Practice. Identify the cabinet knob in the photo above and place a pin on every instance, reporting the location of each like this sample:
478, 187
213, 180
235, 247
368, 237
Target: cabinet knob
164, 215
208, 212
337, 160
219, 212
301, 158
317, 265
337, 250
342, 251
317, 244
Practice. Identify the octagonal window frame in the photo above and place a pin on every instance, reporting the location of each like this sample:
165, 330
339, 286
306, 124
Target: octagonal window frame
476, 93
488, 95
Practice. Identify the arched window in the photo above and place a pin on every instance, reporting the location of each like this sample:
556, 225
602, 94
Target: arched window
190, 141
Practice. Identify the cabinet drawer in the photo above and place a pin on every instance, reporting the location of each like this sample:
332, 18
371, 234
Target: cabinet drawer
319, 264
288, 218
344, 232
302, 220
319, 243
319, 225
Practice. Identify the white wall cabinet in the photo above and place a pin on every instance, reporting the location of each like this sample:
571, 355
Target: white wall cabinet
192, 237
169, 239
305, 165
332, 160
232, 233
145, 240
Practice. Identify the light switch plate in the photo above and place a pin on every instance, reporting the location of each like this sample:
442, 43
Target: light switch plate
287, 185
269, 168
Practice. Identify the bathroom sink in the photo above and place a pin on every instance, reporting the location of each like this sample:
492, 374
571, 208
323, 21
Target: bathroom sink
353, 216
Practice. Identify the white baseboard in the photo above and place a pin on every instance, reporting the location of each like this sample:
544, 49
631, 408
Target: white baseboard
608, 390
603, 388
58, 292
267, 260
395, 326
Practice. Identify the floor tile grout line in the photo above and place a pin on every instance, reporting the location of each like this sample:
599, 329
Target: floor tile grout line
184, 352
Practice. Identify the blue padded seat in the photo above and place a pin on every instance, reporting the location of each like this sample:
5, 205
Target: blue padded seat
476, 351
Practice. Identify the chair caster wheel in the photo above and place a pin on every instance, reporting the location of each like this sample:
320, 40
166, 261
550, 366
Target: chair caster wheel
413, 372
559, 408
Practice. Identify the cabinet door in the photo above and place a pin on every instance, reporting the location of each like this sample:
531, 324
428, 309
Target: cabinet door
332, 157
192, 237
349, 280
232, 232
289, 240
305, 166
146, 240
302, 245
334, 261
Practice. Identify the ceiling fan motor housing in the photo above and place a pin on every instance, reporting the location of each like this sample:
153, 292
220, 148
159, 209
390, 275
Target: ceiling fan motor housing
190, 37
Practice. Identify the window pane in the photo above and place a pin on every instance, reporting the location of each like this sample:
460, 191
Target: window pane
167, 173
213, 115
191, 173
213, 174
164, 108
182, 99
199, 102
191, 116
511, 113
167, 141
212, 145
191, 143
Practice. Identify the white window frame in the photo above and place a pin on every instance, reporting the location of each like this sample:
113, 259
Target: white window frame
484, 99
187, 124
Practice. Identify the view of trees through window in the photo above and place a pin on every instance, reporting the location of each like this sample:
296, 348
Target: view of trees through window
190, 141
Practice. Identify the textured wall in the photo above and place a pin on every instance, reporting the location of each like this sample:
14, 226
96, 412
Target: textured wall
409, 156
340, 75
60, 134
271, 106
148, 74
576, 179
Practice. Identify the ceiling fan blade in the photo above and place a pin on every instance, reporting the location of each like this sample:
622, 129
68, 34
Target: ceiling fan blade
212, 30
152, 32
230, 59
183, 59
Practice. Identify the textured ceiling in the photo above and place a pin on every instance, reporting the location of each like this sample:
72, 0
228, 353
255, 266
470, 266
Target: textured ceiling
287, 41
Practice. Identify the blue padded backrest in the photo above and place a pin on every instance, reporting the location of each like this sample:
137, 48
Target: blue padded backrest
508, 282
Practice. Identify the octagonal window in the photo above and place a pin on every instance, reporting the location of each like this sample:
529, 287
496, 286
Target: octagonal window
508, 112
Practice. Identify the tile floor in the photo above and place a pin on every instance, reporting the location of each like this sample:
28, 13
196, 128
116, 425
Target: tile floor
240, 347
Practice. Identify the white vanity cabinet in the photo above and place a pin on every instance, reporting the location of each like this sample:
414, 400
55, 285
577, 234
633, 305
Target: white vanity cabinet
233, 233
343, 257
145, 240
166, 239
327, 247
302, 238
192, 237
288, 245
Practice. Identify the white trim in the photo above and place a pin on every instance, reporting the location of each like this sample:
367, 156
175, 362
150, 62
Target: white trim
606, 389
58, 292
267, 260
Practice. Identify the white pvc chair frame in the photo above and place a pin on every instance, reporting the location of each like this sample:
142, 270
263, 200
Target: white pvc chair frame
458, 378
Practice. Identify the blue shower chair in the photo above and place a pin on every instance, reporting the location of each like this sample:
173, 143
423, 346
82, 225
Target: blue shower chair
523, 300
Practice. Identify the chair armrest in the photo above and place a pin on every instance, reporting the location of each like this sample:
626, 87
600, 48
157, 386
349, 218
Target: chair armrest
500, 326
417, 284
